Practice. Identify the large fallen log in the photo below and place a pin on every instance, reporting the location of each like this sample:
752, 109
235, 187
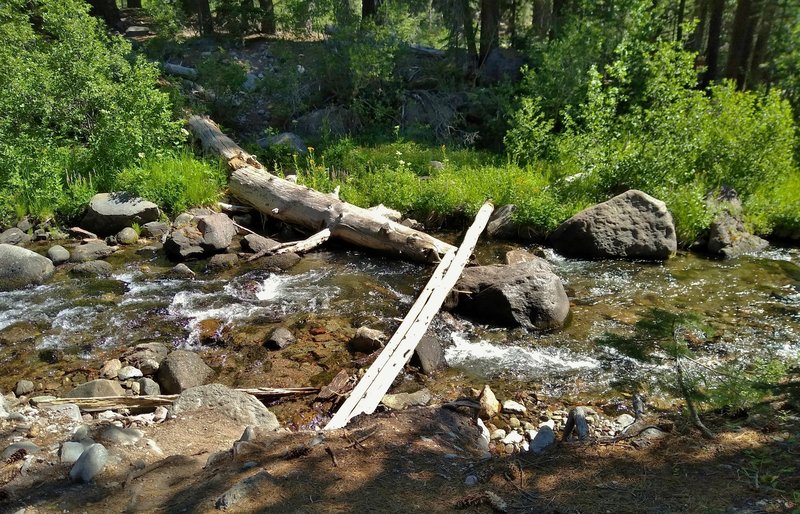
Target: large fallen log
379, 377
299, 205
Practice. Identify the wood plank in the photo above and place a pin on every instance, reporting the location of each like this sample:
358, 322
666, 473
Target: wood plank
379, 377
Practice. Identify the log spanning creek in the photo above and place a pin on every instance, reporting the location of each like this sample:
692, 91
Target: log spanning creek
616, 342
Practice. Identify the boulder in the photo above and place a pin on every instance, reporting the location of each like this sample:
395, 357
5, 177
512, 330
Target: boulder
23, 387
728, 238
108, 213
217, 231
222, 261
280, 338
632, 225
20, 267
148, 387
402, 401
14, 236
285, 139
58, 254
155, 230
183, 243
89, 464
91, 251
254, 243
181, 271
137, 31
332, 121
527, 294
92, 269
280, 262
25, 224
502, 64
428, 355
128, 372
238, 406
111, 368
127, 236
182, 370
519, 256
147, 356
122, 436
367, 340
97, 389
490, 407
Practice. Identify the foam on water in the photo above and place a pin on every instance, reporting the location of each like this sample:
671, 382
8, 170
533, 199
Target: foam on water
490, 358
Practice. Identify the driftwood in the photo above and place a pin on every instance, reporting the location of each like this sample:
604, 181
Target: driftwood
379, 377
305, 207
180, 71
304, 246
152, 401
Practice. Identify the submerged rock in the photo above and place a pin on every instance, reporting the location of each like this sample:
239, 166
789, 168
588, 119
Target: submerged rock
236, 405
222, 261
632, 225
108, 213
527, 294
20, 267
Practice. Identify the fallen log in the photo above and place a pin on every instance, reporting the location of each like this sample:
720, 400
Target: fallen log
103, 403
181, 71
299, 205
304, 246
379, 377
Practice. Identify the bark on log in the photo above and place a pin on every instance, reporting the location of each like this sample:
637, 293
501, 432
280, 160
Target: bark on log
180, 71
300, 205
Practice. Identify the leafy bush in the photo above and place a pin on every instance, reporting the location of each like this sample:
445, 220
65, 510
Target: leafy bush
72, 105
174, 182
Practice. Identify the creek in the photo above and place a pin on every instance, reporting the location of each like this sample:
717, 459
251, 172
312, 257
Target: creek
60, 333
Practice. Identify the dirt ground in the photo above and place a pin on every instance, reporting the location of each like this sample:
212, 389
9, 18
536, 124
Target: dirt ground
417, 461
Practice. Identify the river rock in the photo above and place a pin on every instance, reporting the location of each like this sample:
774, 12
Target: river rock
217, 231
91, 251
280, 338
544, 438
527, 294
182, 370
23, 387
71, 451
242, 490
632, 225
367, 340
155, 230
490, 407
14, 236
286, 139
183, 243
402, 401
58, 254
90, 464
513, 437
624, 420
129, 372
92, 269
108, 213
28, 446
97, 389
181, 271
111, 368
147, 356
728, 238
123, 436
148, 387
512, 407
127, 236
254, 243
519, 256
222, 261
238, 406
20, 267
429, 355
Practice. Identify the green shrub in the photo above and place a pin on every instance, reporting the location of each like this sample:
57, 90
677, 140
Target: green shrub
174, 182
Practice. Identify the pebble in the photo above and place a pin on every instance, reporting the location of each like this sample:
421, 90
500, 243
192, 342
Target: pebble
513, 437
471, 480
23, 387
549, 423
544, 438
90, 464
513, 422
624, 420
111, 369
497, 434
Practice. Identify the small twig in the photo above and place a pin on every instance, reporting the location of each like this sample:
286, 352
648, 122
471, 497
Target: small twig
708, 434
243, 228
333, 456
358, 442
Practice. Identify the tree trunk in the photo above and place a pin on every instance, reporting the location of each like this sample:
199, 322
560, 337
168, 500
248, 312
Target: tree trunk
490, 27
106, 9
741, 42
541, 18
267, 17
759, 57
469, 31
369, 8
300, 205
204, 22
701, 13
679, 20
557, 17
134, 4
712, 47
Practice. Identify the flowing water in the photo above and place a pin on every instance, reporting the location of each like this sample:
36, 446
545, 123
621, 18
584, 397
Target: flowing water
741, 310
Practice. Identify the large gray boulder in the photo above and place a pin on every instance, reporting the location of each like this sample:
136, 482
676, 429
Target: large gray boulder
14, 236
97, 389
527, 294
20, 267
183, 243
632, 225
182, 370
108, 213
236, 405
217, 230
91, 251
254, 243
728, 238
